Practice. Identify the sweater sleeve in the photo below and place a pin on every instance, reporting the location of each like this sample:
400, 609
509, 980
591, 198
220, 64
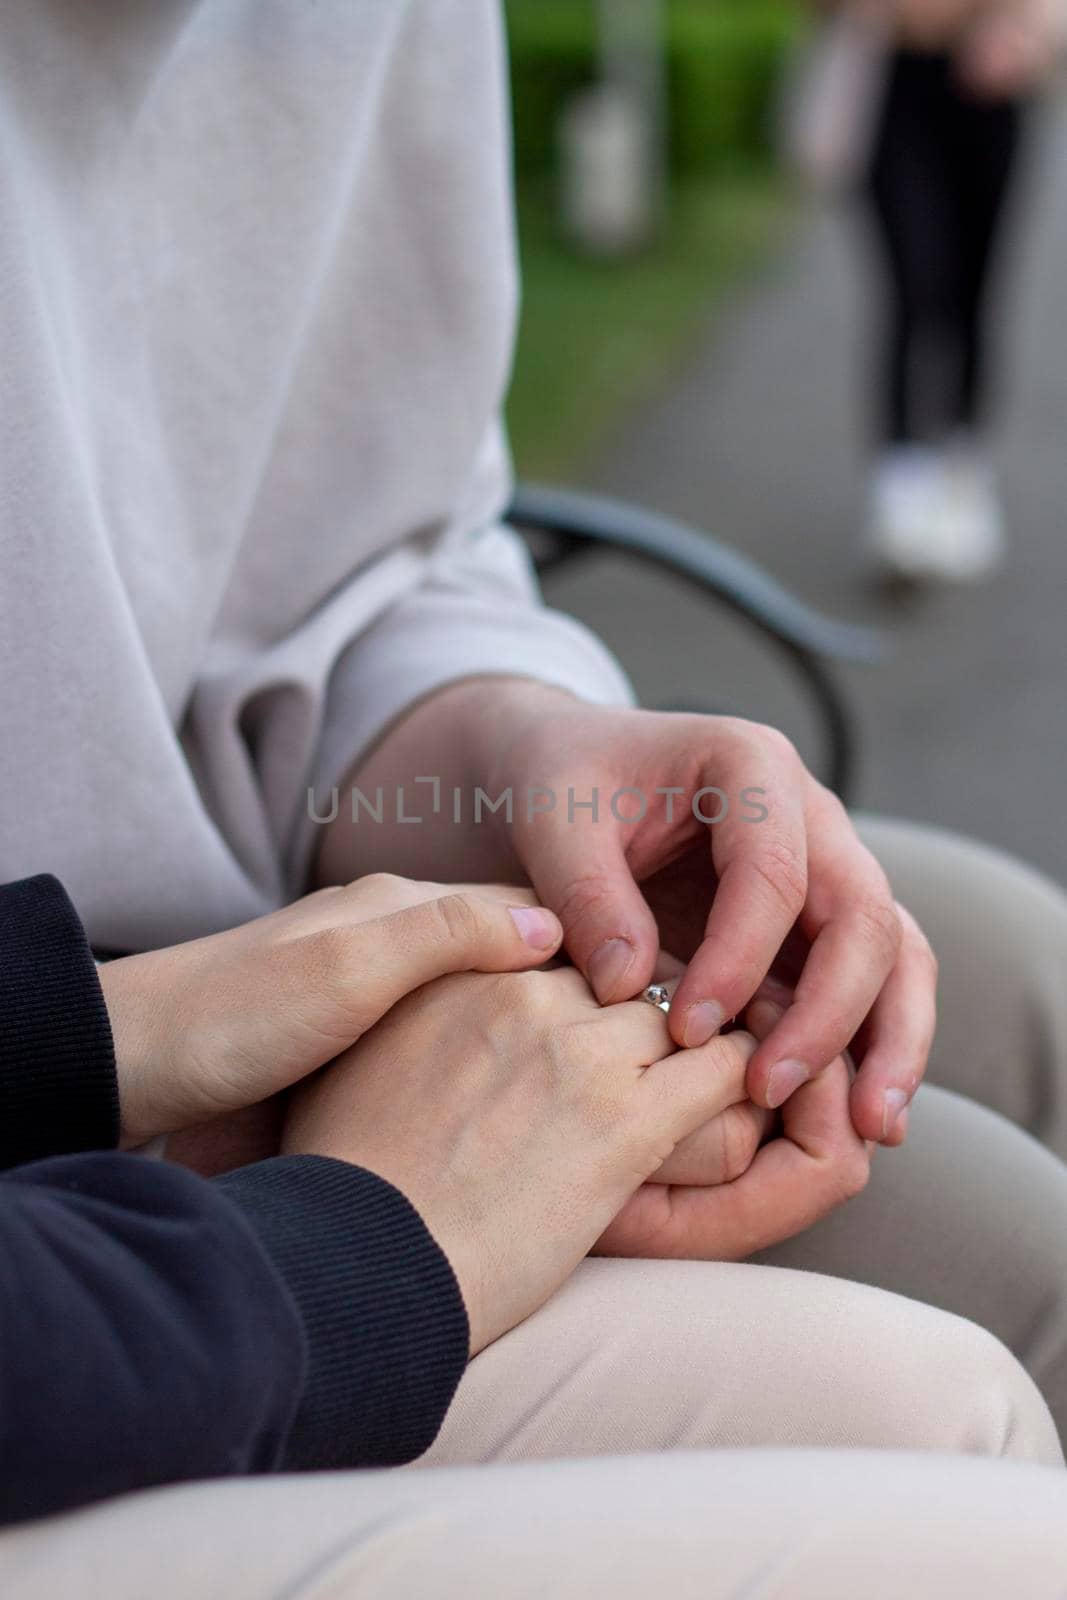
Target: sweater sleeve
472, 608
387, 1332
156, 1328
58, 1091
144, 1338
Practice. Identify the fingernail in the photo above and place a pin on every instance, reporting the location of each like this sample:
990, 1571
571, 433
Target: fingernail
893, 1103
702, 1022
538, 928
785, 1079
608, 967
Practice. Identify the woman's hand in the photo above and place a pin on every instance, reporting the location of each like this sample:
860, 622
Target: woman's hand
722, 1198
518, 1117
210, 1027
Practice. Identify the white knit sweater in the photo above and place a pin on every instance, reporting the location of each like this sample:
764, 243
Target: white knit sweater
258, 290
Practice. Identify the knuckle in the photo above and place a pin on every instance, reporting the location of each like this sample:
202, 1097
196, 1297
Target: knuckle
833, 813
738, 1143
383, 886
782, 870
853, 1171
524, 999
506, 994
762, 741
586, 895
331, 952
777, 743
917, 941
536, 995
731, 1053
880, 925
458, 919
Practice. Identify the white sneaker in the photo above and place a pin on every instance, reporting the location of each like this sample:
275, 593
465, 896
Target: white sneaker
972, 537
935, 515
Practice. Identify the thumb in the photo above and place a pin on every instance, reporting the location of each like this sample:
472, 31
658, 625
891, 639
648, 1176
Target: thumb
610, 933
377, 963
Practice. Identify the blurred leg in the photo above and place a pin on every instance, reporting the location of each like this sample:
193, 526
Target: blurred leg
985, 149
1000, 932
784, 1525
913, 206
664, 1355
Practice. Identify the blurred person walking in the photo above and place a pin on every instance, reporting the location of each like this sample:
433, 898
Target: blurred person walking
960, 76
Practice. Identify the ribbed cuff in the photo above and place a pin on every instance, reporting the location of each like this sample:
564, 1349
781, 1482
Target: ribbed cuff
58, 1087
387, 1330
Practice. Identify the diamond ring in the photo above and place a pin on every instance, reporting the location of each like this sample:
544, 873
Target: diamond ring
658, 995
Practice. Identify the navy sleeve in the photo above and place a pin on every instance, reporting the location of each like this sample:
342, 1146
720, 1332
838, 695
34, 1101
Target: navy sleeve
387, 1329
58, 1091
156, 1327
144, 1338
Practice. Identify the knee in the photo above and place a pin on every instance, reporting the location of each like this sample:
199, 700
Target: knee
962, 1392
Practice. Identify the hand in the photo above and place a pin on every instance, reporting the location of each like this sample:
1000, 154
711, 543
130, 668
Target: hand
518, 1117
223, 1023
930, 24
761, 1194
796, 895
1011, 50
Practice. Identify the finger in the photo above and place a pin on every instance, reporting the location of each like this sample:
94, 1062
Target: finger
850, 960
855, 932
685, 1090
609, 931
898, 1133
900, 1034
380, 894
369, 967
668, 969
793, 1183
632, 1034
721, 1150
764, 1015
762, 872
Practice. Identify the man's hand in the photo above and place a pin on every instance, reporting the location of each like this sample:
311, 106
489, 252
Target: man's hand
518, 1116
796, 895
223, 1023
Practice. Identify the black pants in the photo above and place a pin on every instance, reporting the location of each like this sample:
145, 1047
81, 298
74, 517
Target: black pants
940, 175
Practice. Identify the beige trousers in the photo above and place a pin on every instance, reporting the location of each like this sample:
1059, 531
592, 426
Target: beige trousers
786, 1400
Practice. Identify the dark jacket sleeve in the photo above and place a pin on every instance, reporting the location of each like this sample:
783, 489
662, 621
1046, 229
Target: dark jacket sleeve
58, 1090
156, 1327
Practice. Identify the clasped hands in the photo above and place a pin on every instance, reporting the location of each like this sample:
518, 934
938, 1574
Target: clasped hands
527, 1123
532, 1116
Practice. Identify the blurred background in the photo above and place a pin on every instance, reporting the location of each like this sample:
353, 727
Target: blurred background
701, 334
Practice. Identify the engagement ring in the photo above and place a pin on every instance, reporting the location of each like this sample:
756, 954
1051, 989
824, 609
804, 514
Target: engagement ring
657, 995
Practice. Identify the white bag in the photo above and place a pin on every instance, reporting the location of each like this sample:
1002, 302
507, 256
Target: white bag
833, 99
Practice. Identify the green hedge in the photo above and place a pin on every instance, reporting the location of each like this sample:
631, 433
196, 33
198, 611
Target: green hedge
724, 59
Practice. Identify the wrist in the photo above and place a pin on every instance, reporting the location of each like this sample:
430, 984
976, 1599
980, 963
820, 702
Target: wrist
464, 736
501, 723
139, 1031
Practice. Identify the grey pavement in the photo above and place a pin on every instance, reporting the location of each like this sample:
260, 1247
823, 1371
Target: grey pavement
760, 439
